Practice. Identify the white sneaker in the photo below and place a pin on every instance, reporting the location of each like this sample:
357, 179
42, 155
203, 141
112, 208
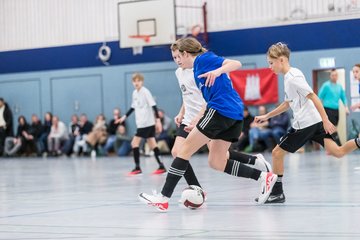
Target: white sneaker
268, 181
155, 200
261, 164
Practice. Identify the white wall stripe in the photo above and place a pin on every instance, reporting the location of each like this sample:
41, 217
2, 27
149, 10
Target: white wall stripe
26, 24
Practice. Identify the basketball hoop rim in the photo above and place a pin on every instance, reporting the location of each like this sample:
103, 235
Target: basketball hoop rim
146, 38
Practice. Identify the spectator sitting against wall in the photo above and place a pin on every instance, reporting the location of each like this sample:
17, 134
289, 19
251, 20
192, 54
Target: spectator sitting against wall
73, 129
46, 128
122, 144
85, 128
33, 135
278, 126
6, 124
256, 131
97, 137
57, 136
14, 145
112, 131
165, 135
163, 138
243, 141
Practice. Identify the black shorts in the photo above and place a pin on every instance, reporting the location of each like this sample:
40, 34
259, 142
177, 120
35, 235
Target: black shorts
215, 126
180, 132
146, 132
296, 138
333, 115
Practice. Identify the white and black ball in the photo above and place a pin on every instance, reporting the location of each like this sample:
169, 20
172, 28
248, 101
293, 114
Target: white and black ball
193, 197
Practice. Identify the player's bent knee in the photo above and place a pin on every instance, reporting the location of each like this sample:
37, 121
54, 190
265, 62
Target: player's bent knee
215, 164
212, 163
338, 154
277, 153
174, 153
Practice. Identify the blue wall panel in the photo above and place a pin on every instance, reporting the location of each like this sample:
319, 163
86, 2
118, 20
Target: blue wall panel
23, 96
77, 94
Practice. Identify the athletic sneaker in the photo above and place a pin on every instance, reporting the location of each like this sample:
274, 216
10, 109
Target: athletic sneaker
274, 198
261, 163
155, 200
135, 172
268, 181
160, 170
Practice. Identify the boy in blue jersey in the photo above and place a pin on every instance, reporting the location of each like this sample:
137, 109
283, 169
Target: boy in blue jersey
220, 124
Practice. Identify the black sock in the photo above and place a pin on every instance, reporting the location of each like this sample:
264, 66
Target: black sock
278, 188
157, 156
242, 157
190, 177
136, 152
240, 170
357, 142
176, 171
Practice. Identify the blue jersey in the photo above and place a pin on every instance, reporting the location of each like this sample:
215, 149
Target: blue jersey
221, 96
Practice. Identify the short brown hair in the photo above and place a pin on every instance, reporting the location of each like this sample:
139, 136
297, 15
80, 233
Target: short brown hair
138, 76
278, 50
189, 45
357, 65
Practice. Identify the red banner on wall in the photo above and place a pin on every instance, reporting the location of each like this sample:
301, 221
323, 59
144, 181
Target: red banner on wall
257, 86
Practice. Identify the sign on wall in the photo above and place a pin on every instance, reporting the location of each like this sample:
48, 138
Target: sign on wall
256, 86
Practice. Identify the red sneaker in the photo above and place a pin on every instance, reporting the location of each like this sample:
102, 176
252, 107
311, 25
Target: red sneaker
135, 172
160, 170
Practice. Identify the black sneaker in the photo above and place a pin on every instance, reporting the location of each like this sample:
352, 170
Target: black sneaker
278, 198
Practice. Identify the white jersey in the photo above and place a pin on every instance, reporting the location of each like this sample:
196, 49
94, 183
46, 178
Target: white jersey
191, 94
142, 102
296, 90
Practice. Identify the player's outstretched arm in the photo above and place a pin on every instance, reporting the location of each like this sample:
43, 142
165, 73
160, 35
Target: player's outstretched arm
328, 126
283, 107
227, 66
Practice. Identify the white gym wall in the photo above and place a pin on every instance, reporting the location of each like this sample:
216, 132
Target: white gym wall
26, 24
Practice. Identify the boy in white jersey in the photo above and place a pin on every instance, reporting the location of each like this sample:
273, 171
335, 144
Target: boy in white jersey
310, 119
144, 106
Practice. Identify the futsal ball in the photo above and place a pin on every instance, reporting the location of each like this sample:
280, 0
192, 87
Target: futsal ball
192, 197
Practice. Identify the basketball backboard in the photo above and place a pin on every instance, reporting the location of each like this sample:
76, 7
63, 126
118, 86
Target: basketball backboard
146, 23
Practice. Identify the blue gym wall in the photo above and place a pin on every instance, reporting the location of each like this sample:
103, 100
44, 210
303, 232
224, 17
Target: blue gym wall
53, 79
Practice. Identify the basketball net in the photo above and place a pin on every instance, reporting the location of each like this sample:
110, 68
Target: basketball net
138, 50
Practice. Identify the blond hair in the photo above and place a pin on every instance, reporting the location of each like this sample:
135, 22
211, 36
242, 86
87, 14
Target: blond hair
278, 50
137, 76
189, 45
